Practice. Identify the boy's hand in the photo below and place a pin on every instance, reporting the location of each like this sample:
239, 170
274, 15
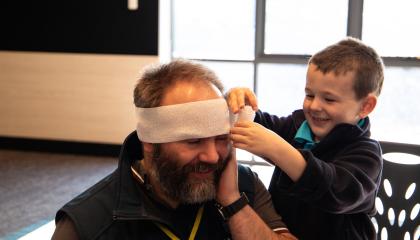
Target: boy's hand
265, 143
254, 138
237, 98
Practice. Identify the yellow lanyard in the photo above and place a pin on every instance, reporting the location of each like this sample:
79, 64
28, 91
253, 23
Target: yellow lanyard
197, 221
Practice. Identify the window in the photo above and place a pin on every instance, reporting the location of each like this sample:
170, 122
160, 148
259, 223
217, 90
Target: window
204, 29
233, 74
391, 27
396, 117
265, 45
318, 25
282, 90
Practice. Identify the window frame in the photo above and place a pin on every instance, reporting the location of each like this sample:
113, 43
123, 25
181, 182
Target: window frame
354, 29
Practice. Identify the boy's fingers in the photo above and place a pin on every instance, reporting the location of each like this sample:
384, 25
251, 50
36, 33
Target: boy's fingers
243, 124
252, 99
239, 131
232, 102
240, 99
237, 138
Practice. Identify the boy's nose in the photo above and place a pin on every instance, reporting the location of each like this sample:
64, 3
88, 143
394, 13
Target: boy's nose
209, 152
315, 104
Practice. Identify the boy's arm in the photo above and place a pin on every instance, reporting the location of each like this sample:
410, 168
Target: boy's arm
347, 183
263, 142
260, 141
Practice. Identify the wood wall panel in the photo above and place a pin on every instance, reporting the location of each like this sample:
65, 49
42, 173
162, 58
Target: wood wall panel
67, 96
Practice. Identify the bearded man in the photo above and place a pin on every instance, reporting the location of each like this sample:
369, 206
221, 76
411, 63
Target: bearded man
177, 176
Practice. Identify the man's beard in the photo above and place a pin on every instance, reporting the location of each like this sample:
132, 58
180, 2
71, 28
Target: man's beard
175, 181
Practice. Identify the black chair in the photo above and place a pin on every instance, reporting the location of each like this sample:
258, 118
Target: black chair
398, 200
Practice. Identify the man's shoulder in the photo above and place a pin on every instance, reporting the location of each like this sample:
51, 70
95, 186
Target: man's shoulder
96, 203
102, 188
245, 173
247, 180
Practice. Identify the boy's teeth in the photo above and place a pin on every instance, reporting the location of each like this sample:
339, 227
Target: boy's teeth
319, 119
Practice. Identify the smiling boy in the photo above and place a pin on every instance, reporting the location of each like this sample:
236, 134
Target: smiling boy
328, 169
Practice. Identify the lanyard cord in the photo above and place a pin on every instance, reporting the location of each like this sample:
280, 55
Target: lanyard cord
197, 221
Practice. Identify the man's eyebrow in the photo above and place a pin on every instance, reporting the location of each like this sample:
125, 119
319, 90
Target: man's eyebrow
191, 139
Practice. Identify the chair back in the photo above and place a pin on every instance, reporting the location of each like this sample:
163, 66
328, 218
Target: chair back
398, 200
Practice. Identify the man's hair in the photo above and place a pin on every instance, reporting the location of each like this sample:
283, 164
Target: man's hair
153, 83
351, 54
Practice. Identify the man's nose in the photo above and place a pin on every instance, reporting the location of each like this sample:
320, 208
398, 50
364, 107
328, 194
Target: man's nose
209, 151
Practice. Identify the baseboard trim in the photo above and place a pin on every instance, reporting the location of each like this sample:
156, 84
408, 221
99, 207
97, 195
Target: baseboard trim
58, 146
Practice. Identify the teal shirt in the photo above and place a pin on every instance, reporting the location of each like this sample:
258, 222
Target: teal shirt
304, 135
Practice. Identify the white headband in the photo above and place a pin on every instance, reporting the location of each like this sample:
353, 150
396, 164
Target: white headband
191, 120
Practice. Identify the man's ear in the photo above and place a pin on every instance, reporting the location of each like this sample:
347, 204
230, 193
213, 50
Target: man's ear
148, 148
368, 104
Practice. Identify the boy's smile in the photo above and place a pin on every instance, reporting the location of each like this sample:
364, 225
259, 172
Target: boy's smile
330, 100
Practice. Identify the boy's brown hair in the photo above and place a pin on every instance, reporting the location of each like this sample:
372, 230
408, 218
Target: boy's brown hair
351, 54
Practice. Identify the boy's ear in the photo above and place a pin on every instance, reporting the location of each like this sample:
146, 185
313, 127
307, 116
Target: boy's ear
368, 104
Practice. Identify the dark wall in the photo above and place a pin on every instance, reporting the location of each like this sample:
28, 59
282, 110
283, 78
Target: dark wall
80, 26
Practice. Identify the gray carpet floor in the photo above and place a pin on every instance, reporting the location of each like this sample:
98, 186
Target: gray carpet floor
34, 185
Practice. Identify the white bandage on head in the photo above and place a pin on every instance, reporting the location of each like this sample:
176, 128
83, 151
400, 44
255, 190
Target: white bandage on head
191, 120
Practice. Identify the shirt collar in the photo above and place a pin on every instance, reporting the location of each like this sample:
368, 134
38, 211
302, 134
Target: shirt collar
304, 134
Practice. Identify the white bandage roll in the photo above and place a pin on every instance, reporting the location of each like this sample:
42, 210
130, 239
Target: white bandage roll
245, 114
191, 120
